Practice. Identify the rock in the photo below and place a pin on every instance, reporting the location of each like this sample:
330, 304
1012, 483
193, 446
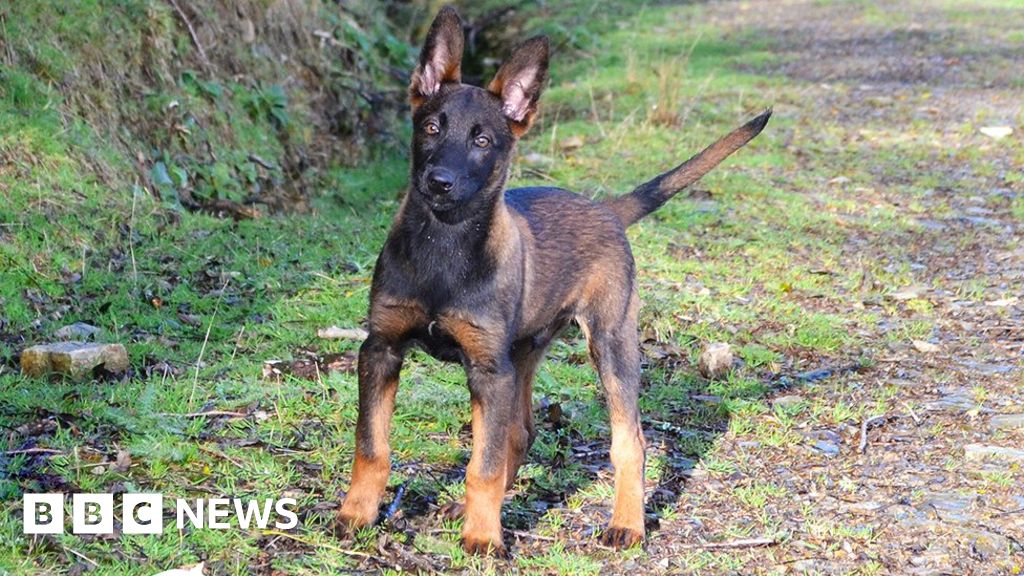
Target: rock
869, 507
715, 361
335, 333
956, 400
827, 448
1007, 422
74, 359
77, 331
985, 545
982, 451
925, 347
949, 507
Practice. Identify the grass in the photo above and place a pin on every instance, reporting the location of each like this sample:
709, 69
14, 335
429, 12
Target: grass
758, 260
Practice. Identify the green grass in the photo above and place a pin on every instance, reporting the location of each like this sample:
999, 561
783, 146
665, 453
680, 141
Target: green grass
759, 264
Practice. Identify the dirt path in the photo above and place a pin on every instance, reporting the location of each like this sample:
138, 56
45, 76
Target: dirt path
895, 96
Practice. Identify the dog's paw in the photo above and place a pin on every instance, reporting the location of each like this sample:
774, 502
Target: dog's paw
452, 510
352, 518
484, 546
621, 538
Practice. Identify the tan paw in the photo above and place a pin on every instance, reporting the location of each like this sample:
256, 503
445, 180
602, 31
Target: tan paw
621, 538
352, 517
483, 546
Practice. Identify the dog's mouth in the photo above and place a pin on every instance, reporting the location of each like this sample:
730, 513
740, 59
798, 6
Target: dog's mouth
437, 203
443, 202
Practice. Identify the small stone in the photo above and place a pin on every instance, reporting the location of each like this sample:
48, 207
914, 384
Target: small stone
987, 545
869, 507
827, 448
715, 361
77, 331
537, 159
982, 451
925, 347
74, 359
957, 400
1007, 422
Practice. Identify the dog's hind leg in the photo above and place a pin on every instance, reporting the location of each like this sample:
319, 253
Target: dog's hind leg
379, 366
522, 431
615, 350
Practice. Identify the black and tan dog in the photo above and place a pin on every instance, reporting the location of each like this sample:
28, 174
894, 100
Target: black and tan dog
477, 274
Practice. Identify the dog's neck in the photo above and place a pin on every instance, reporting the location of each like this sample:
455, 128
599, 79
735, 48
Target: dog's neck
474, 237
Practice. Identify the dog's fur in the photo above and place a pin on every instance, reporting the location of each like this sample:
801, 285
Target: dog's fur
476, 274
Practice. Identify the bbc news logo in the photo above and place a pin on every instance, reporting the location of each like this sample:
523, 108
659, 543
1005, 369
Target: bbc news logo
144, 513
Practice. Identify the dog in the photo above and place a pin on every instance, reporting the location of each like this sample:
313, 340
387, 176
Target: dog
477, 274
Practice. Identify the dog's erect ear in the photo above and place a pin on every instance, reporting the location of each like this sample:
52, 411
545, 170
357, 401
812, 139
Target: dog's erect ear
441, 58
519, 82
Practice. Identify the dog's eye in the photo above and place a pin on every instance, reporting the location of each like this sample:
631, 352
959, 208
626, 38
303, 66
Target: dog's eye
482, 141
431, 128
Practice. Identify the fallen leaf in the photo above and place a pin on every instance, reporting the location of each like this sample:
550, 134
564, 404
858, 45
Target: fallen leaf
925, 347
190, 570
336, 333
1003, 302
996, 132
571, 143
908, 293
124, 461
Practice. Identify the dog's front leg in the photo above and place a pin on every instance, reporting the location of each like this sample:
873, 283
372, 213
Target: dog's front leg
492, 393
379, 364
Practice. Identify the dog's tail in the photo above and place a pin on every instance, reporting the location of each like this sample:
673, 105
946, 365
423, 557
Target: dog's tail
650, 195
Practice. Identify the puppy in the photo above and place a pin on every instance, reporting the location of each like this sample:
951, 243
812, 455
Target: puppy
477, 274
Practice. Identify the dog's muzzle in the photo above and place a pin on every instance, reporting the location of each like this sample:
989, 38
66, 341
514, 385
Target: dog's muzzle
440, 181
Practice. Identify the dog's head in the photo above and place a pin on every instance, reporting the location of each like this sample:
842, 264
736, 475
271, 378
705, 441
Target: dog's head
464, 135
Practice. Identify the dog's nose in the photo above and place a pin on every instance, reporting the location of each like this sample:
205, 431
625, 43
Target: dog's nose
440, 180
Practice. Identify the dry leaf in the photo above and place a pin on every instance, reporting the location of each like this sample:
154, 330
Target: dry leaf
335, 333
997, 132
925, 347
191, 570
1003, 302
572, 143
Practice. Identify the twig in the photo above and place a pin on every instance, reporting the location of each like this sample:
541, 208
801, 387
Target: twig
396, 503
913, 415
864, 431
1008, 513
210, 413
131, 240
567, 541
781, 382
34, 451
345, 551
745, 543
220, 454
206, 339
80, 555
191, 32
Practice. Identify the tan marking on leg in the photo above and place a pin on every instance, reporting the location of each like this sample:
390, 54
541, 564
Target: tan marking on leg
394, 318
372, 464
481, 529
479, 338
